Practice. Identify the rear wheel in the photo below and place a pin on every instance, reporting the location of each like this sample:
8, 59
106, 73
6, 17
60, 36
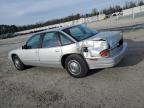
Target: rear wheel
18, 63
76, 66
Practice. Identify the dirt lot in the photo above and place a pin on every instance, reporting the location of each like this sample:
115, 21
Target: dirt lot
118, 87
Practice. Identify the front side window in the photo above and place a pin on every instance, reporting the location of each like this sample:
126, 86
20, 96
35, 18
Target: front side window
34, 42
80, 32
50, 40
65, 40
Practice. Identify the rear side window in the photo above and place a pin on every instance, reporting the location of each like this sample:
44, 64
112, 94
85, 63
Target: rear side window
50, 40
76, 32
65, 40
34, 42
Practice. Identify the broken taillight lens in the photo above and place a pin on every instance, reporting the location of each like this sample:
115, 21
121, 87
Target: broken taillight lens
104, 53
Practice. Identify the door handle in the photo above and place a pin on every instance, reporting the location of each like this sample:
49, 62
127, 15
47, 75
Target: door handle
36, 51
57, 50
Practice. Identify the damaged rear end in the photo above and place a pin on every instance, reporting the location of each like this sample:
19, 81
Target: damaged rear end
105, 49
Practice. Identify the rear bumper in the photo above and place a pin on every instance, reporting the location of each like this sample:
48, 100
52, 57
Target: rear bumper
107, 62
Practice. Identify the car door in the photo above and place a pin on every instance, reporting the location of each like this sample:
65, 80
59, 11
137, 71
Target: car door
30, 54
50, 53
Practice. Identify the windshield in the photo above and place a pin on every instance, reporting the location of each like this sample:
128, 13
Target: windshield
80, 32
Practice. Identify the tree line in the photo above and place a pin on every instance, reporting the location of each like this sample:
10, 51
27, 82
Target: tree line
107, 11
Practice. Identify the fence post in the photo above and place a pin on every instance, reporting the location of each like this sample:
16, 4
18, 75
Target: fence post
133, 13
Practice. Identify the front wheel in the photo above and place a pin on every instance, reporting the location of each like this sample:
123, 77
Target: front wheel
18, 63
76, 66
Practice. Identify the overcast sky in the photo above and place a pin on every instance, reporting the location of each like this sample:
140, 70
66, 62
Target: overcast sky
21, 12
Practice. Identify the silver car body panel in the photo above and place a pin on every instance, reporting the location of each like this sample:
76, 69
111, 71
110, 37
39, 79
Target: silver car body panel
50, 56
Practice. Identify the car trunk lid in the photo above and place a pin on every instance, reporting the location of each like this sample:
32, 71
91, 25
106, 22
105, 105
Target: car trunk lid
112, 37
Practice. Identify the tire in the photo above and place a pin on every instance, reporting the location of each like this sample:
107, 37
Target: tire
76, 66
18, 63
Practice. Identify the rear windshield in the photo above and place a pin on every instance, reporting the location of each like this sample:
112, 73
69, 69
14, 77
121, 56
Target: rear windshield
80, 32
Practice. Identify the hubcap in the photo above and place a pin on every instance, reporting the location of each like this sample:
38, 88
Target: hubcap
17, 63
74, 67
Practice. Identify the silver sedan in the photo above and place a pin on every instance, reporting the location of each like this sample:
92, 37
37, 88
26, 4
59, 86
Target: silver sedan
76, 48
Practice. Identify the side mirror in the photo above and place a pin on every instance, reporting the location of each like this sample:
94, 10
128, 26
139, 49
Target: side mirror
24, 47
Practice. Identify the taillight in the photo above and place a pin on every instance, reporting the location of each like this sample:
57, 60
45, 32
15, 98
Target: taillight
104, 53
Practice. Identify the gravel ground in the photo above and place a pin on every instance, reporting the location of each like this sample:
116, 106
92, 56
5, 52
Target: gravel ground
118, 87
